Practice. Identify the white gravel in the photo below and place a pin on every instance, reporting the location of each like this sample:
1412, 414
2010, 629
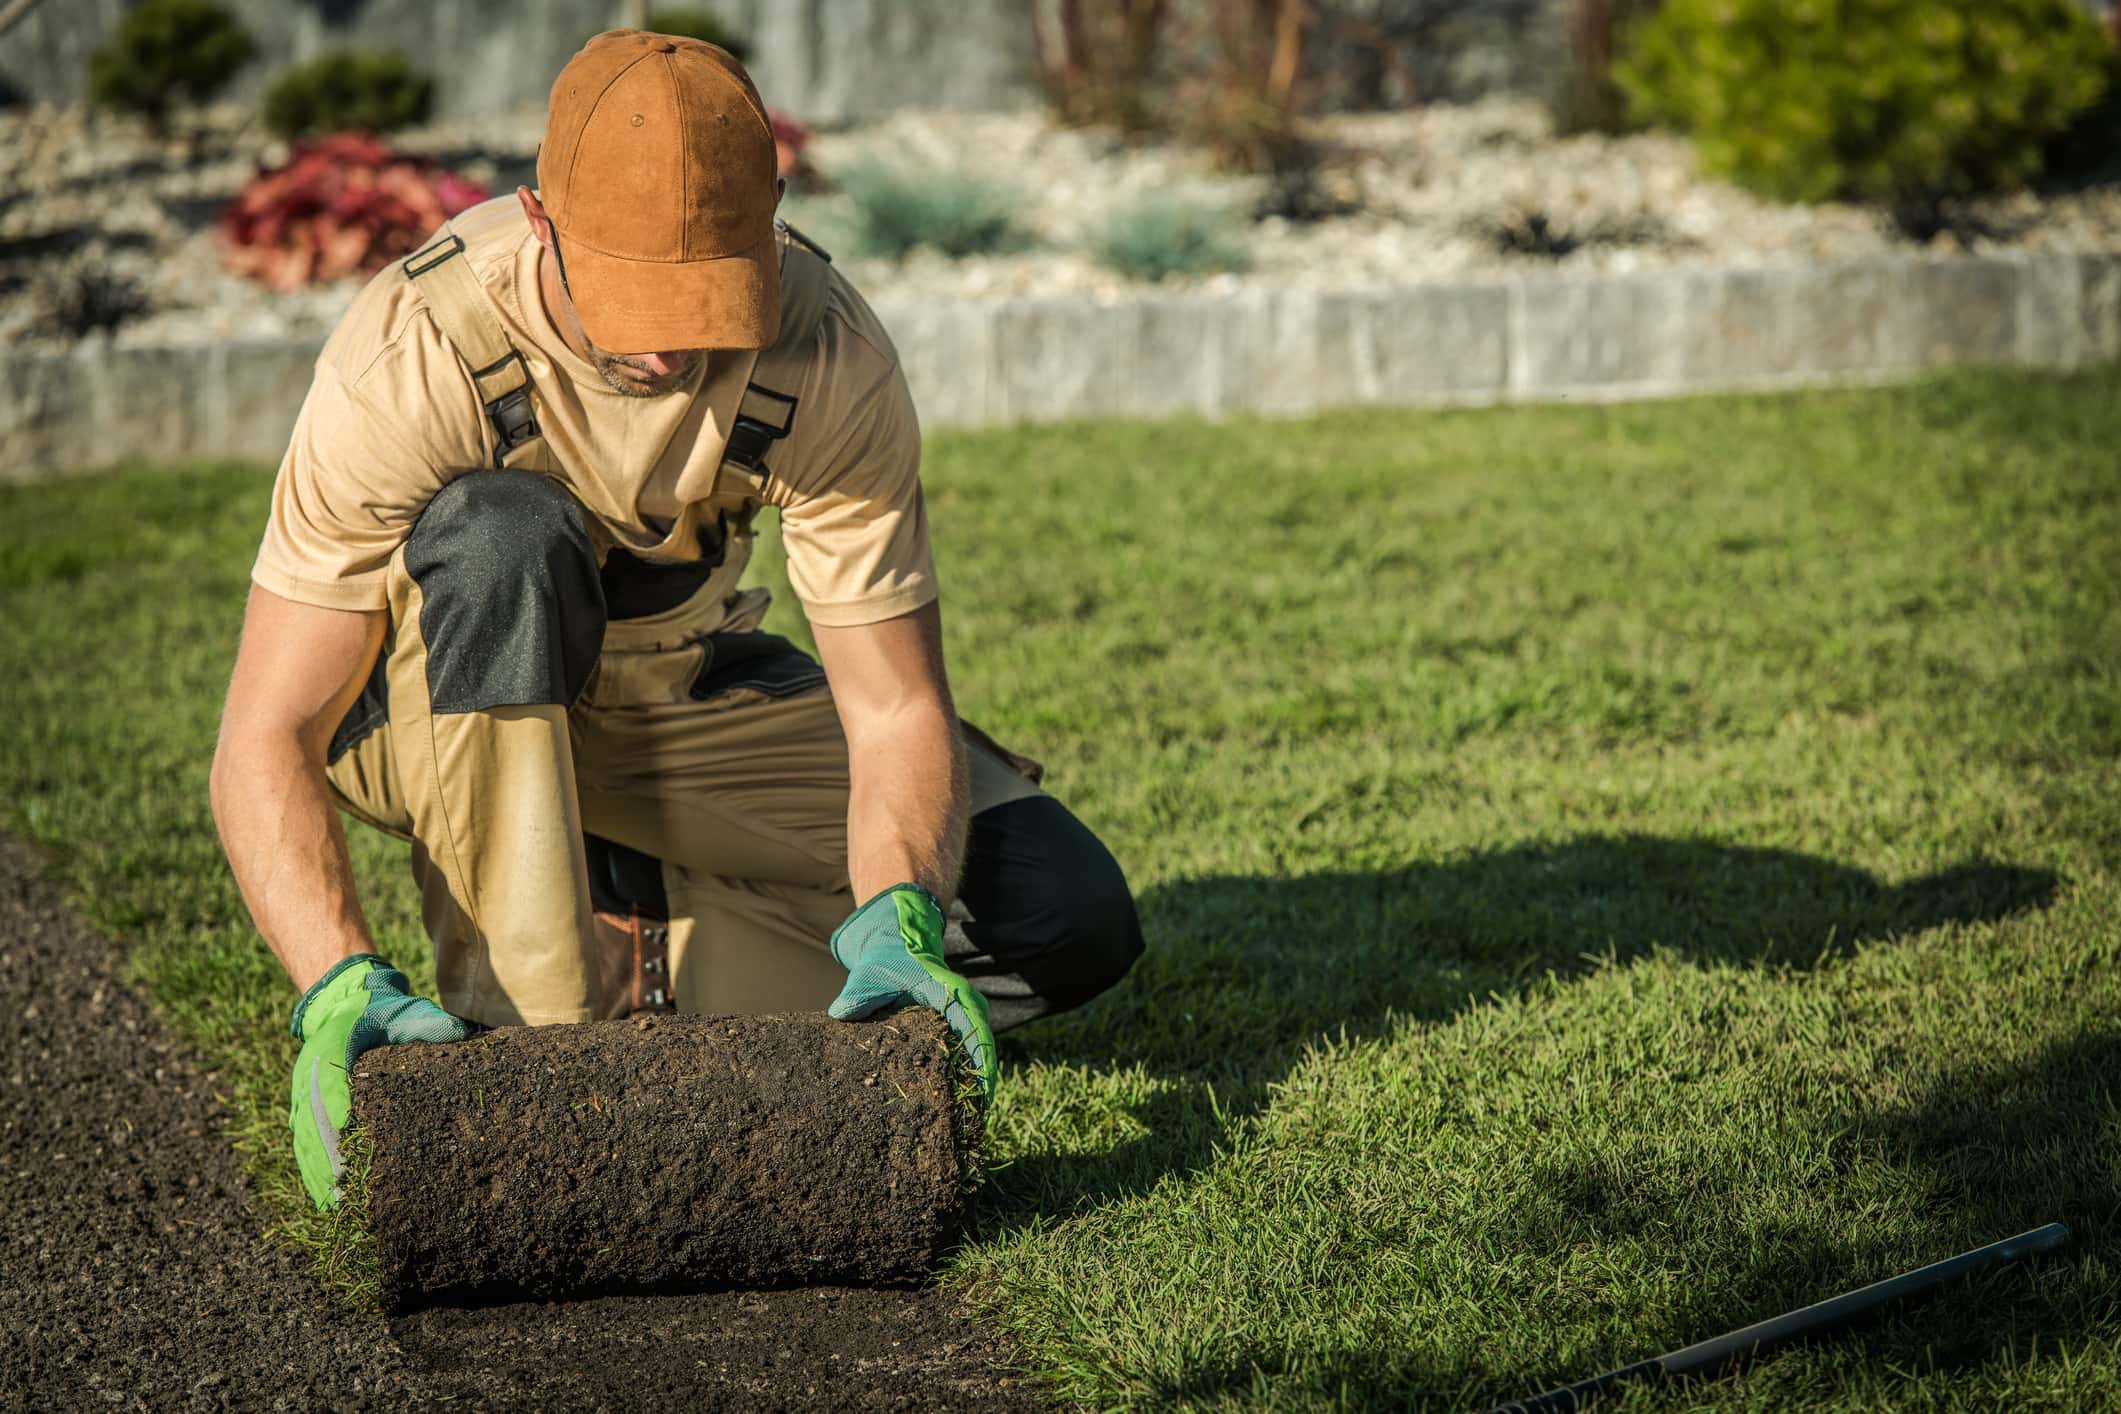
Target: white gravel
1429, 191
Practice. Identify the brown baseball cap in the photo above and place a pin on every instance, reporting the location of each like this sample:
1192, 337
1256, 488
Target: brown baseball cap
658, 171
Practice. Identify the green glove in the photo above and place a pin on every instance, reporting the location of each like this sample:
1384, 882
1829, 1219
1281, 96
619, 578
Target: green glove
362, 1003
892, 948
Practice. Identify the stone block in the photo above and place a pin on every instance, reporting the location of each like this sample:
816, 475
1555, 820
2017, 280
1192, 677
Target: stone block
258, 390
1191, 354
96, 405
1739, 327
2099, 305
1620, 333
43, 408
1961, 311
150, 404
1287, 357
1418, 344
2050, 293
1445, 342
1061, 358
947, 351
1846, 319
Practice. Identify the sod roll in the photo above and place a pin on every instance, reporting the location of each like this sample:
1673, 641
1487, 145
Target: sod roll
664, 1152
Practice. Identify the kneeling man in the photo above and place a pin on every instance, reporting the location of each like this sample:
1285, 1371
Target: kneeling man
496, 613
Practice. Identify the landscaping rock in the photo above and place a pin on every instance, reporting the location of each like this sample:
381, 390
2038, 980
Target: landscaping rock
1442, 194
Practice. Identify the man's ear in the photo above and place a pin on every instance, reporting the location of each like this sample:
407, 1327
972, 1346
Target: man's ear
540, 223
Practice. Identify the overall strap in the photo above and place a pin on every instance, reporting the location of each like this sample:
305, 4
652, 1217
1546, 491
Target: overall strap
467, 320
767, 412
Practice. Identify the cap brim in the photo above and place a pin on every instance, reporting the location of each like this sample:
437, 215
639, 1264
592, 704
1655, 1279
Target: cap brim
659, 306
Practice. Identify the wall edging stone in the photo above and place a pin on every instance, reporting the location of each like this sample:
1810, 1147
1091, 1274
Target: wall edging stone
1534, 338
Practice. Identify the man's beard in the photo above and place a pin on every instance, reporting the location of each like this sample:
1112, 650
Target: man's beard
639, 382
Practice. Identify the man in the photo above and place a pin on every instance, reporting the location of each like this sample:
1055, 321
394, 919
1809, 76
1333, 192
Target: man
496, 614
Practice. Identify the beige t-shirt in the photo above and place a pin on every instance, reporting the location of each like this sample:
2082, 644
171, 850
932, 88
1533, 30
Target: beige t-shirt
392, 417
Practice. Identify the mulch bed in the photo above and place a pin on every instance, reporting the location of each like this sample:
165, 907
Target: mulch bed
133, 1273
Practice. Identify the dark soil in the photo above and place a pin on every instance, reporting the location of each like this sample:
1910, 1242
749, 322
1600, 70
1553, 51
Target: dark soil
665, 1151
133, 1274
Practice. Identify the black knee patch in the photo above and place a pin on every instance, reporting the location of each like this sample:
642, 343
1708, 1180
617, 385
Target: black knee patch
512, 608
1049, 905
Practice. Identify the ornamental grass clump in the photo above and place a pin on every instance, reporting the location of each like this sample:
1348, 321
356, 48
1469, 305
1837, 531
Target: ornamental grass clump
1910, 102
957, 213
166, 50
348, 91
1162, 236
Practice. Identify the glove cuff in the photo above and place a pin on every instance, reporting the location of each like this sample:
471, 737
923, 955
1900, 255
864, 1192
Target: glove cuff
873, 901
294, 1022
912, 888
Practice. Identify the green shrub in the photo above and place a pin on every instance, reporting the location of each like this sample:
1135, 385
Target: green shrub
693, 22
1162, 236
1899, 100
2089, 149
166, 49
348, 91
955, 213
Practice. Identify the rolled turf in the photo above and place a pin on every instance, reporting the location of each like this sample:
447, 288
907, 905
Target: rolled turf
663, 1152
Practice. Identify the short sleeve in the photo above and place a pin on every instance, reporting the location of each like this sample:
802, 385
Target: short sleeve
854, 523
348, 491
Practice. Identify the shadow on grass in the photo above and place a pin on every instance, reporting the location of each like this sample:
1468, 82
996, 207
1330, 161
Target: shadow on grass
1990, 1151
1242, 974
2001, 1150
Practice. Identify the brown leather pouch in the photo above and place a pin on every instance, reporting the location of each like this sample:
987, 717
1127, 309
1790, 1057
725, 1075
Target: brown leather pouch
635, 964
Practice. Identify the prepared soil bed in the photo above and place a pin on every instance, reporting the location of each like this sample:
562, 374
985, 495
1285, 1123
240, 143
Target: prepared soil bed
666, 1151
136, 1275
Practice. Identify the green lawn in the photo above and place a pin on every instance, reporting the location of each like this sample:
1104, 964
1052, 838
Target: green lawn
1611, 874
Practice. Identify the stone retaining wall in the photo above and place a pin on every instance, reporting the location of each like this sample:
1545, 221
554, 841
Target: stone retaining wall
1533, 339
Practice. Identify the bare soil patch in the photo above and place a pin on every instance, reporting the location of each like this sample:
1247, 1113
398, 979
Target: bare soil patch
133, 1272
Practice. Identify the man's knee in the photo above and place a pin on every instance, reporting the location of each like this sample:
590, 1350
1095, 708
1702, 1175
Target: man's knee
1049, 902
511, 606
1102, 932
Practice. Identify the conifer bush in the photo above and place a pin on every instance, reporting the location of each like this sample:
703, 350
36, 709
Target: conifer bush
1904, 101
348, 90
165, 50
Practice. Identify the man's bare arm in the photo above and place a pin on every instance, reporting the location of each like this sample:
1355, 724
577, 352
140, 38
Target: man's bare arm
906, 815
297, 673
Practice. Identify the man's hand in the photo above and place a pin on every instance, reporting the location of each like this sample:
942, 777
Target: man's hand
360, 1004
892, 948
